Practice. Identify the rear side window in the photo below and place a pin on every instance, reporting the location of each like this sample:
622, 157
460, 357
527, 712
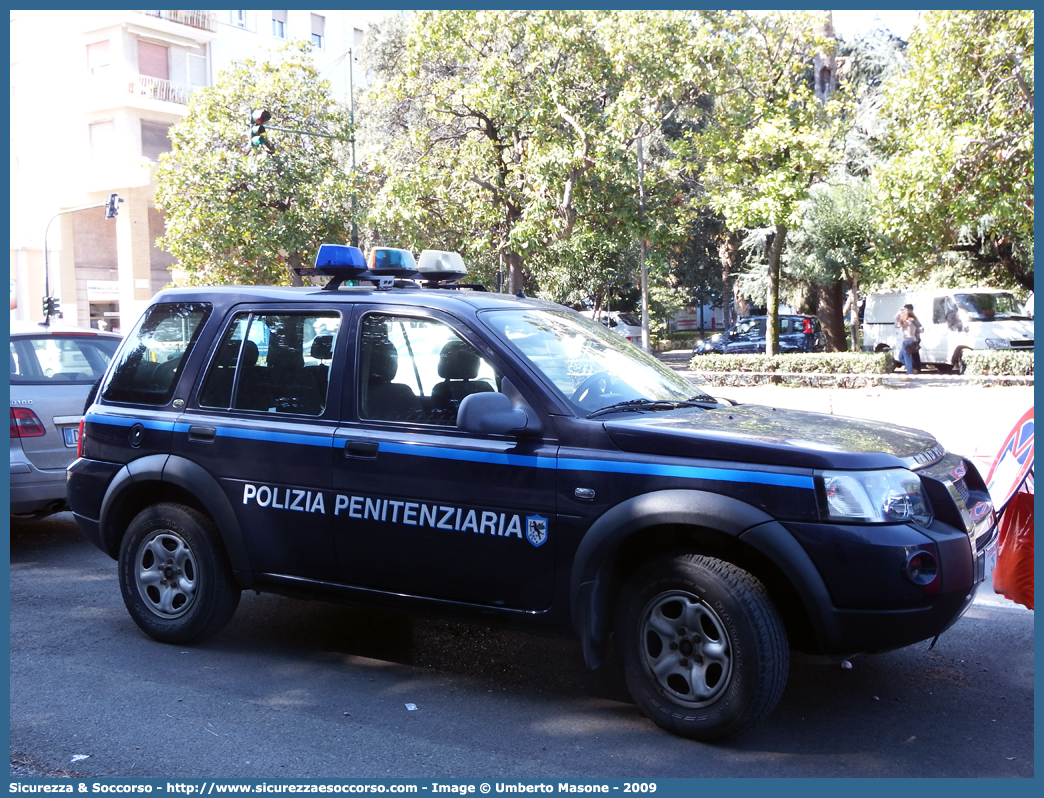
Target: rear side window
151, 358
58, 358
273, 363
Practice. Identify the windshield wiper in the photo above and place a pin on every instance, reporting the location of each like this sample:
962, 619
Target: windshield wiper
654, 404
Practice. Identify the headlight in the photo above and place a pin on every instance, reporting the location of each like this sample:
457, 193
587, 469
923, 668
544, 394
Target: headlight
892, 496
997, 343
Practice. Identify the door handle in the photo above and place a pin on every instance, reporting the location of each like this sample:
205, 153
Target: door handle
203, 434
366, 450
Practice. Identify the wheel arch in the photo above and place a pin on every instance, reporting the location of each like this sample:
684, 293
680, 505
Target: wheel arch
957, 358
675, 521
159, 478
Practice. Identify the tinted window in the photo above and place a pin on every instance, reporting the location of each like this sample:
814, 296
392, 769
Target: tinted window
77, 359
151, 359
273, 363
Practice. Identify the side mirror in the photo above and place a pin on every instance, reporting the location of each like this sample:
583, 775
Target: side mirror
492, 414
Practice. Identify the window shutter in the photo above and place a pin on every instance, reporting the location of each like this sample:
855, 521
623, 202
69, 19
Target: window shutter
152, 60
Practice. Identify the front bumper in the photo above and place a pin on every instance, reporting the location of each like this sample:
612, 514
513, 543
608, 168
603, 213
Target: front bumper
856, 586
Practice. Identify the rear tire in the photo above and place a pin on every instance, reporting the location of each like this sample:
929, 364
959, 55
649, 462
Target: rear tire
703, 649
174, 576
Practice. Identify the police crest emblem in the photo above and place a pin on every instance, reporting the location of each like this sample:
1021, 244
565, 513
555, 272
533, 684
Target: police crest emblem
536, 529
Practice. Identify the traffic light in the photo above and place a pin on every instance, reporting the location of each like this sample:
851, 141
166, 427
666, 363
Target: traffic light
51, 306
257, 129
112, 206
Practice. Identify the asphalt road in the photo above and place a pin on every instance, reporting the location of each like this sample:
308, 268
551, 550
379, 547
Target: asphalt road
305, 689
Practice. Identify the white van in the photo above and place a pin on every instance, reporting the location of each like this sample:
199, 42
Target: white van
954, 319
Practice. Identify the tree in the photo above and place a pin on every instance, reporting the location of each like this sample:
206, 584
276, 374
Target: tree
960, 172
834, 244
515, 131
238, 214
769, 138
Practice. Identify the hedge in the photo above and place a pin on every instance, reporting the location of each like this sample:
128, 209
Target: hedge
826, 369
992, 366
998, 362
851, 369
676, 340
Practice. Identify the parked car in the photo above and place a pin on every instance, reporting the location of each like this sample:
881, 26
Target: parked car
626, 324
796, 334
507, 460
52, 371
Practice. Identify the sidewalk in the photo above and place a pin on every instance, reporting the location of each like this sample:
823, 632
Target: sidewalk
971, 420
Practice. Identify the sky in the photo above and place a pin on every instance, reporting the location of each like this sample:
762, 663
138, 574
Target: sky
848, 23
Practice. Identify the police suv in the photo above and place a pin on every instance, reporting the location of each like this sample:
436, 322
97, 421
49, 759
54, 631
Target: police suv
399, 438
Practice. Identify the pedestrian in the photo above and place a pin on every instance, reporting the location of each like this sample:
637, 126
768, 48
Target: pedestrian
911, 328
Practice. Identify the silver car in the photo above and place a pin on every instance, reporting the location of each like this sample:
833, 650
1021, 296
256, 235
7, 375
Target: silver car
52, 372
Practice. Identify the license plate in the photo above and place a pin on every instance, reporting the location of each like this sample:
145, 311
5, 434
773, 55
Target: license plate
986, 560
72, 436
991, 557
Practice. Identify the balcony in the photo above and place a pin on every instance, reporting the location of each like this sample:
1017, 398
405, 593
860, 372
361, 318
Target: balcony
159, 89
202, 20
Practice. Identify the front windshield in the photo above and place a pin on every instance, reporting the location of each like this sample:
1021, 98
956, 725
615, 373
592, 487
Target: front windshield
591, 367
986, 307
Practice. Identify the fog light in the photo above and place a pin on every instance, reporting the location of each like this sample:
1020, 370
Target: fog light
921, 568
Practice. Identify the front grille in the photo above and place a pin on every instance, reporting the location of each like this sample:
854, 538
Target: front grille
929, 456
1022, 344
959, 496
985, 538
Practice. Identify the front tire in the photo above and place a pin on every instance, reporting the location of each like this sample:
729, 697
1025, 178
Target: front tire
703, 649
174, 576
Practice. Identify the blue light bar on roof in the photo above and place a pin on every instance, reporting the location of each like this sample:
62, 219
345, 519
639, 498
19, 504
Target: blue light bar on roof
339, 257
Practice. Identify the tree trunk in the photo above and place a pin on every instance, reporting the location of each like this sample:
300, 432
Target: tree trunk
293, 260
1014, 265
772, 299
514, 271
832, 316
853, 313
728, 249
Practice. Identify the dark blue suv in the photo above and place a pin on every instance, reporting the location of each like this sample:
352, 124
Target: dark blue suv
424, 445
747, 336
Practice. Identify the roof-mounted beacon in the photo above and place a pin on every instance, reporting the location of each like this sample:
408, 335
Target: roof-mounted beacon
436, 266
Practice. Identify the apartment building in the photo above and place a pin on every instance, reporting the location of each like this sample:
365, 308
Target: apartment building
90, 114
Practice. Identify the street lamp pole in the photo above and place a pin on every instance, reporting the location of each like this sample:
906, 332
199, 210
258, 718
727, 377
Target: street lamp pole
351, 119
642, 248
